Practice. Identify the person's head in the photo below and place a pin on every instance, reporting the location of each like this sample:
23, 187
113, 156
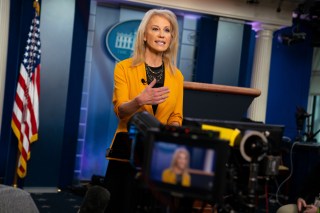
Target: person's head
96, 200
180, 160
158, 31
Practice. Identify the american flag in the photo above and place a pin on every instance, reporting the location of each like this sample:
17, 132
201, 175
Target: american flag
25, 118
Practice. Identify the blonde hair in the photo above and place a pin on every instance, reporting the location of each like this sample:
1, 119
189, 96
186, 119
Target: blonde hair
175, 157
170, 55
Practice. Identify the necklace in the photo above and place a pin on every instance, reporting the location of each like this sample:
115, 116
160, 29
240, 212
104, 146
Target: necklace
152, 74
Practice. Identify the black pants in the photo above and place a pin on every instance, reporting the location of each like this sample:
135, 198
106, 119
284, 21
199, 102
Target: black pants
121, 183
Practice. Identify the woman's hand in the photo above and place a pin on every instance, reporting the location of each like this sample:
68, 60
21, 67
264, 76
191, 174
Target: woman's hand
304, 208
149, 95
152, 96
301, 204
311, 209
174, 124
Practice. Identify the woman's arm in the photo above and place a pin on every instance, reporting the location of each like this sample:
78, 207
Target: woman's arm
175, 123
149, 95
176, 116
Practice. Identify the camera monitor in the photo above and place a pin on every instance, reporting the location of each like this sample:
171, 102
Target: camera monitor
187, 165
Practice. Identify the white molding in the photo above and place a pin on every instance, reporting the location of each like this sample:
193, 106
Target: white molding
264, 12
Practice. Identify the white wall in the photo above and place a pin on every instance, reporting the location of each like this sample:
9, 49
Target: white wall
4, 26
228, 52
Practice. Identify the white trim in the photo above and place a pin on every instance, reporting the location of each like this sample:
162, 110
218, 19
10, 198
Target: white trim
4, 26
264, 12
41, 189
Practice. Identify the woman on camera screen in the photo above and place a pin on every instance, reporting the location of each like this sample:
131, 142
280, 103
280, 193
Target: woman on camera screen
178, 171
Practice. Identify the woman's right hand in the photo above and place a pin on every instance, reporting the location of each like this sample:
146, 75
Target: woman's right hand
311, 209
301, 204
153, 96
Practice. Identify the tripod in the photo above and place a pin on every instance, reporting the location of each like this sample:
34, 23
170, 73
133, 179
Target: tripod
301, 117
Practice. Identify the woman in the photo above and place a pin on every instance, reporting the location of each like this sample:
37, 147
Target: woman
149, 81
178, 171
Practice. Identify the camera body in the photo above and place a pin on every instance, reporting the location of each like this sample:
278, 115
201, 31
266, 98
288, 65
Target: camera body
228, 157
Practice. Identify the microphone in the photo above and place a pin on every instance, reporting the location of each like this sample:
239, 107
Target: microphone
144, 82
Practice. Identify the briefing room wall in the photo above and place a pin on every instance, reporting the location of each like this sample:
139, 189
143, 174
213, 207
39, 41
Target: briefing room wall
57, 18
99, 122
289, 82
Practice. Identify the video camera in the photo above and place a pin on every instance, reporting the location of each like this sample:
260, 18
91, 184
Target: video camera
219, 153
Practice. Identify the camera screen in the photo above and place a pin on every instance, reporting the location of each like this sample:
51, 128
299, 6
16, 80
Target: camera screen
183, 165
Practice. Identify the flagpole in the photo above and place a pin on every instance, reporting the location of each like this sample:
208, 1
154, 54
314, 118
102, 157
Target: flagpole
15, 177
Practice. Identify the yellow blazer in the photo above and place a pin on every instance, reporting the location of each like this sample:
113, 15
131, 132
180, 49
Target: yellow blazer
168, 176
127, 85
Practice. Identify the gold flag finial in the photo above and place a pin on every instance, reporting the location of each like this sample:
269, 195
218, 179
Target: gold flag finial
36, 6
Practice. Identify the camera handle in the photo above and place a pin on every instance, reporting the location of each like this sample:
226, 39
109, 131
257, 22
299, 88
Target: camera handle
252, 186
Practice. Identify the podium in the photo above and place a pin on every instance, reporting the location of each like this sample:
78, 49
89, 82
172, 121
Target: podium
213, 101
201, 101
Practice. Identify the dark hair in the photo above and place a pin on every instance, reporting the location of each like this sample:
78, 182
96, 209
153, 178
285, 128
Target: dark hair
96, 200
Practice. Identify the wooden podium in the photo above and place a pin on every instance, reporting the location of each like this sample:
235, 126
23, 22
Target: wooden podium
212, 101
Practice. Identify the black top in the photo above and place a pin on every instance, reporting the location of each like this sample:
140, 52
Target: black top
179, 179
158, 73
